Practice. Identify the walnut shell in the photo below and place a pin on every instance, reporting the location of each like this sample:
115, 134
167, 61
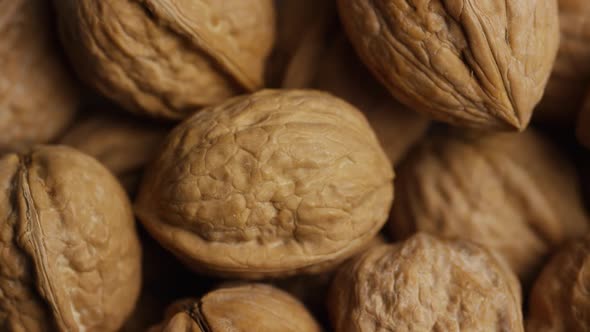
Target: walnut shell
570, 78
425, 284
397, 127
560, 299
69, 253
122, 143
250, 307
168, 57
482, 65
38, 98
295, 179
514, 193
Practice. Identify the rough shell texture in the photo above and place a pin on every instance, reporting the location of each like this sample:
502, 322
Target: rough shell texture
425, 284
560, 300
569, 81
514, 193
583, 126
69, 253
37, 96
123, 144
268, 184
396, 126
480, 64
168, 57
250, 307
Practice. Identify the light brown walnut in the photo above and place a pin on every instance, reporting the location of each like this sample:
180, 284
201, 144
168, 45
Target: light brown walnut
38, 98
69, 252
514, 193
560, 299
481, 64
425, 284
249, 307
167, 58
124, 144
570, 78
268, 184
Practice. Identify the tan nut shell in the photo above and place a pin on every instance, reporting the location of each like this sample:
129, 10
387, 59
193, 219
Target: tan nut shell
514, 193
122, 143
425, 284
69, 253
250, 307
479, 64
37, 96
560, 299
168, 57
570, 78
268, 184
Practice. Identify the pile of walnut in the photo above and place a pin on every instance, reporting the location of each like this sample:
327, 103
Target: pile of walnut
228, 165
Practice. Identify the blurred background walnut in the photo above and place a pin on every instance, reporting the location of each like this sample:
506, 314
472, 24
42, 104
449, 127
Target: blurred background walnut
268, 184
124, 144
482, 66
517, 194
425, 284
38, 98
69, 250
167, 58
560, 299
248, 307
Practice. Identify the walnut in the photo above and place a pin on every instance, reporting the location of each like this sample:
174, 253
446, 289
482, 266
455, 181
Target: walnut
268, 184
569, 81
560, 299
168, 57
425, 284
69, 251
124, 144
396, 126
38, 98
250, 307
514, 193
482, 65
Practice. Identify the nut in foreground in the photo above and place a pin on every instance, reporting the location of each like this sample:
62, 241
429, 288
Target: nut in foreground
268, 184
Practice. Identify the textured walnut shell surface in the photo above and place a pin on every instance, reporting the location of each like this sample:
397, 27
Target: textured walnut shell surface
268, 184
570, 78
38, 98
168, 57
396, 126
425, 284
123, 144
251, 307
514, 193
70, 257
479, 64
560, 299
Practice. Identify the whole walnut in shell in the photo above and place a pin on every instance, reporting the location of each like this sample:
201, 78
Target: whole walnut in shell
560, 299
168, 57
38, 98
69, 252
570, 78
479, 64
249, 307
514, 193
124, 144
268, 184
425, 284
